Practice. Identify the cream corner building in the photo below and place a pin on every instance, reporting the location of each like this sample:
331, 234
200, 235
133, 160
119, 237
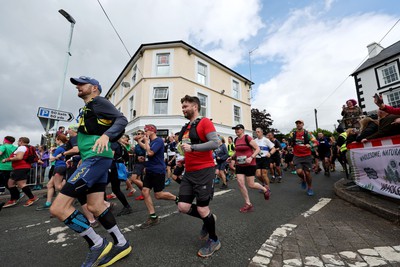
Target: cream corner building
150, 87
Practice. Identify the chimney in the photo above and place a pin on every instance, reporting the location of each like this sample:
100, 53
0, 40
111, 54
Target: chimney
374, 49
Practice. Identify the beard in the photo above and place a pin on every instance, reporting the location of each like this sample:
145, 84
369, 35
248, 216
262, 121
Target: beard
189, 114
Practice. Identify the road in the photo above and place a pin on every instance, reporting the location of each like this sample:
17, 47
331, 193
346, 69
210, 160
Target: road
32, 238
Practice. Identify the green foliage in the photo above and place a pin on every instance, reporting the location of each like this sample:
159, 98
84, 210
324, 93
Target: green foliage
261, 119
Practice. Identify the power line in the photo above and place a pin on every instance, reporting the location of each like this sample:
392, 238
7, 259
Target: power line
358, 64
105, 13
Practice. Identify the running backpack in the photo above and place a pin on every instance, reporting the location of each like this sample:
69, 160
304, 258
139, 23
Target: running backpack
31, 156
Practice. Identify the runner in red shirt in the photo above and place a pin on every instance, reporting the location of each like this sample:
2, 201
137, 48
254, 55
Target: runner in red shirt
198, 139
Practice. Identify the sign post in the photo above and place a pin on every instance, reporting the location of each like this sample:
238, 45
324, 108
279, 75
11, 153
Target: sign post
48, 117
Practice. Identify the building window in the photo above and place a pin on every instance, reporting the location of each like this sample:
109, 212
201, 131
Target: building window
203, 104
131, 108
160, 98
394, 99
236, 115
134, 71
163, 65
235, 89
389, 74
201, 73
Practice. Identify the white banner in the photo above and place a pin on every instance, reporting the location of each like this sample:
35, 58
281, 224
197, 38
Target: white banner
377, 169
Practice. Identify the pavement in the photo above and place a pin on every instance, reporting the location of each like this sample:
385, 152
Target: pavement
338, 232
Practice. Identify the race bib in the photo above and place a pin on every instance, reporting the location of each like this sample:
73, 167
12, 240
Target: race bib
241, 160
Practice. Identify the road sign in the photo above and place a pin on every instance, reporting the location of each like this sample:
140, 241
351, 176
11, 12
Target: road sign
53, 114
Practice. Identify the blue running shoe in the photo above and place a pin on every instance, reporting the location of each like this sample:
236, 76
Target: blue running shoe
209, 249
95, 255
168, 182
303, 185
116, 254
310, 192
216, 181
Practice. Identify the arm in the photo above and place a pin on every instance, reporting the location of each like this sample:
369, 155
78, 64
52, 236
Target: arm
211, 144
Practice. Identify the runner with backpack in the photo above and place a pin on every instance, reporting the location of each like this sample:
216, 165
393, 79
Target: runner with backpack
21, 160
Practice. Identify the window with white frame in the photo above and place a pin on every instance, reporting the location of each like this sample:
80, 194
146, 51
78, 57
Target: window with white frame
237, 117
390, 74
131, 108
160, 100
162, 64
134, 71
203, 104
235, 89
394, 99
202, 73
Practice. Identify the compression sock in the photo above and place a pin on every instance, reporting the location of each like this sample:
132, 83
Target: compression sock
14, 193
28, 192
209, 224
108, 221
77, 222
193, 211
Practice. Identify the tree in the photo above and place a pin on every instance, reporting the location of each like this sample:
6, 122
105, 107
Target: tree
261, 119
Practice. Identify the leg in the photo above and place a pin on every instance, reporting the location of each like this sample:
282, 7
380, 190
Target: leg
243, 190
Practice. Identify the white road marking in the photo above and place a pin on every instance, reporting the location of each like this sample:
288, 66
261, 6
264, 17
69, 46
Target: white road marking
321, 203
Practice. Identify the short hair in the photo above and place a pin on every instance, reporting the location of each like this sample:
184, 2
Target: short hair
193, 100
273, 135
62, 138
126, 136
25, 140
10, 139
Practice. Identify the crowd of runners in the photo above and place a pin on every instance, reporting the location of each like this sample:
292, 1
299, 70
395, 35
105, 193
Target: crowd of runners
96, 152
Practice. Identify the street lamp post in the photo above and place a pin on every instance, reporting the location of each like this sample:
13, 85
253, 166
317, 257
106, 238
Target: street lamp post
68, 54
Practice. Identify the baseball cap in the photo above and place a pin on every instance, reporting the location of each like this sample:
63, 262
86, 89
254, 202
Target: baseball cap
299, 121
85, 80
238, 126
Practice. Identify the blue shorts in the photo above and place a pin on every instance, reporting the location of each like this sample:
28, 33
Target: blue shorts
90, 176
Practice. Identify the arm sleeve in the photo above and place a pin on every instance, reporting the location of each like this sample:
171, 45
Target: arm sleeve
104, 109
211, 144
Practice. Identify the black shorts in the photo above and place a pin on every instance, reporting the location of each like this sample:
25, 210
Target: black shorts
288, 158
173, 163
324, 155
4, 176
20, 174
155, 181
276, 160
138, 169
179, 170
262, 163
246, 170
60, 170
197, 184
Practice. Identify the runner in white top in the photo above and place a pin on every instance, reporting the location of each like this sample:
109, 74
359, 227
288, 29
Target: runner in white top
262, 159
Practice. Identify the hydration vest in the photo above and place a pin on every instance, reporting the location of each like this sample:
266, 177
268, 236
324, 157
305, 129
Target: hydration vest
193, 136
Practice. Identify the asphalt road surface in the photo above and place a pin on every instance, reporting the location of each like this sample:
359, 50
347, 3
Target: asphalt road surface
31, 238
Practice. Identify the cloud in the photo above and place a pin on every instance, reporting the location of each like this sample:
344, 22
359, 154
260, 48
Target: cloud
317, 55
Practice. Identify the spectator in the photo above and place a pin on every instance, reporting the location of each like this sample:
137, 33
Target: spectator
221, 155
389, 124
368, 126
351, 113
61, 130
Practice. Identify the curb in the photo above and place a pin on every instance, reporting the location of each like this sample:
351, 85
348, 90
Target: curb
382, 206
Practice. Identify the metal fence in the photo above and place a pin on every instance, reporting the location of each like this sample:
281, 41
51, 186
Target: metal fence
38, 176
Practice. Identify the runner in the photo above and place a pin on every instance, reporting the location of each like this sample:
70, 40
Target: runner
246, 150
275, 160
155, 173
301, 141
20, 174
263, 158
221, 155
99, 122
198, 139
139, 155
6, 167
324, 153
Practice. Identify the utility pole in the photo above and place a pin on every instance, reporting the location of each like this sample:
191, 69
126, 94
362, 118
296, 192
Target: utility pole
316, 120
251, 51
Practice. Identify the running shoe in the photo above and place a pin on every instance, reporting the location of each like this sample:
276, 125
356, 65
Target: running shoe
273, 179
131, 193
293, 172
267, 193
216, 181
210, 247
310, 192
30, 201
168, 182
45, 206
303, 184
10, 203
21, 196
141, 197
116, 253
125, 211
246, 208
111, 196
204, 232
150, 222
280, 179
95, 255
224, 186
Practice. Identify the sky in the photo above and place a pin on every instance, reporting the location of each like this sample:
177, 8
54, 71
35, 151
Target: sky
302, 52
